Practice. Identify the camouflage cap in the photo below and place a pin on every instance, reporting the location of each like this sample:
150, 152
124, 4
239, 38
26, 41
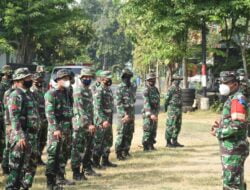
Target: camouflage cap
62, 73
86, 72
151, 76
98, 73
127, 72
240, 72
177, 77
227, 76
7, 69
37, 76
21, 73
106, 74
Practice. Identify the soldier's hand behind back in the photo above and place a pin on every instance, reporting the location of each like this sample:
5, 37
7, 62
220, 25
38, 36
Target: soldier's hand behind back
57, 134
154, 117
92, 129
126, 119
105, 124
22, 143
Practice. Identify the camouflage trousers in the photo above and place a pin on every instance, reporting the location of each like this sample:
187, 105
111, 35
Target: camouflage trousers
42, 137
22, 164
149, 131
58, 153
103, 141
81, 153
2, 140
5, 161
173, 123
233, 171
124, 135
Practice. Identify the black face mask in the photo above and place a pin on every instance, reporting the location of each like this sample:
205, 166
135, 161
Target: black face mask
127, 81
109, 82
151, 83
27, 84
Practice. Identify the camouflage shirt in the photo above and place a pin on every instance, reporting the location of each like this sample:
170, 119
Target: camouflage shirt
125, 98
4, 86
24, 115
82, 107
39, 97
58, 110
232, 131
103, 104
6, 102
151, 98
173, 97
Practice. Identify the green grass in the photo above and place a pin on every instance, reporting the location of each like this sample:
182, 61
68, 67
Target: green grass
194, 167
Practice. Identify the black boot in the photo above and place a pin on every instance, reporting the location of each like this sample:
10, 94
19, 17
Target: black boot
90, 172
126, 154
77, 176
61, 180
145, 147
51, 183
107, 163
96, 162
119, 156
151, 147
176, 144
6, 170
169, 144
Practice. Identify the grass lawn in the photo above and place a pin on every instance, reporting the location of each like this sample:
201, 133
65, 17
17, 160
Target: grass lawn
194, 167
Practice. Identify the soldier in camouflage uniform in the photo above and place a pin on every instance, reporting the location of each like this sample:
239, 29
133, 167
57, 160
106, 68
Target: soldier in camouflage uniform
83, 128
173, 105
59, 115
4, 86
103, 117
125, 98
243, 82
37, 90
97, 83
231, 132
24, 119
151, 108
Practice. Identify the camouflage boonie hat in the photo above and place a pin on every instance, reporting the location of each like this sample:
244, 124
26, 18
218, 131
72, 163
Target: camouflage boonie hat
21, 73
227, 76
127, 72
37, 76
7, 69
151, 76
240, 72
106, 74
62, 73
86, 72
177, 77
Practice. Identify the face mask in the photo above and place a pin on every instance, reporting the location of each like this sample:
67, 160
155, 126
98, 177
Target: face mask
27, 84
151, 83
224, 90
66, 84
86, 82
241, 78
176, 83
126, 81
109, 82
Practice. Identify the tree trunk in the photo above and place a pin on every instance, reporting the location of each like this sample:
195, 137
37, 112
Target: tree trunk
158, 76
184, 69
25, 51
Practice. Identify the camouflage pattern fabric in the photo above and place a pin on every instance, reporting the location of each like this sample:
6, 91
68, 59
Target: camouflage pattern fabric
125, 98
103, 111
24, 120
59, 115
173, 105
42, 135
232, 136
83, 117
151, 106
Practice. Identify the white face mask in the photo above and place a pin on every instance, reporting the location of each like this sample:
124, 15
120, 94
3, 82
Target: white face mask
224, 90
241, 78
66, 84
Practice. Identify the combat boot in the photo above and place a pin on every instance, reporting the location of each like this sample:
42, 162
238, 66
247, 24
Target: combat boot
145, 147
126, 153
119, 156
61, 180
51, 183
151, 147
77, 176
107, 163
169, 144
96, 162
90, 172
176, 144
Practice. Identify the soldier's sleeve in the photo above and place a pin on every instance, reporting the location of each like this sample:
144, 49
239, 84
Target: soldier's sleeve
15, 111
98, 106
147, 106
167, 99
120, 106
237, 121
50, 112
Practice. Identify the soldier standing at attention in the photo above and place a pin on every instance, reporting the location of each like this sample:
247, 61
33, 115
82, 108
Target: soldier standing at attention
151, 108
173, 105
24, 120
37, 90
231, 132
103, 117
59, 115
125, 97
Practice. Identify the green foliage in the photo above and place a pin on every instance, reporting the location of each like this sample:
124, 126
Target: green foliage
217, 106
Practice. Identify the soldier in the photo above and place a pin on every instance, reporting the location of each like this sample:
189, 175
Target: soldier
24, 120
59, 115
103, 116
173, 105
151, 108
37, 90
243, 82
97, 83
125, 97
231, 132
4, 86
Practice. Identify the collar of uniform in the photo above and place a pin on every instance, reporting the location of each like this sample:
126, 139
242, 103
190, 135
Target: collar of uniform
24, 90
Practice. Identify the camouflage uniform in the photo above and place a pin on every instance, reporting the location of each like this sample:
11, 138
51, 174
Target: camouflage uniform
125, 98
103, 111
173, 105
59, 115
232, 136
83, 117
24, 120
151, 106
4, 86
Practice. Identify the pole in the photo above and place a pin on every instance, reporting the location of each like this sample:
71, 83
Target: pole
204, 57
